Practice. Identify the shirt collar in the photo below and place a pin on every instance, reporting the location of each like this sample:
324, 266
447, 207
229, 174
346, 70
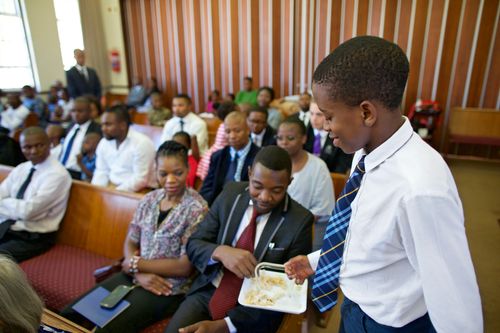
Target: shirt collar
242, 152
323, 133
80, 68
259, 136
388, 147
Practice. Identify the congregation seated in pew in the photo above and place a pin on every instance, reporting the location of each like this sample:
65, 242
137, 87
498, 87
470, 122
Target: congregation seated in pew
232, 162
155, 248
124, 157
33, 199
237, 233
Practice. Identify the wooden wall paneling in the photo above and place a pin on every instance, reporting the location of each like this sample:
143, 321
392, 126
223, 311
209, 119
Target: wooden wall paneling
492, 93
484, 35
375, 17
349, 20
432, 45
336, 19
275, 44
362, 17
389, 27
463, 54
255, 43
297, 51
414, 53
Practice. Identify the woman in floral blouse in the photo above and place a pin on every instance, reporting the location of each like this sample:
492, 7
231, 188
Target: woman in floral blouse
155, 247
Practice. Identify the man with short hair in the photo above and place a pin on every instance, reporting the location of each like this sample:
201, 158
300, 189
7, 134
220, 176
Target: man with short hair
232, 162
185, 120
81, 79
15, 115
304, 105
35, 104
33, 199
249, 222
125, 158
82, 125
247, 94
260, 132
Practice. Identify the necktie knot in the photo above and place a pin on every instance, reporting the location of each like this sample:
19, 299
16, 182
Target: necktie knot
181, 122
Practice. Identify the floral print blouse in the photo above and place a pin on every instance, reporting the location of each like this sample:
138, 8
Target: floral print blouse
167, 239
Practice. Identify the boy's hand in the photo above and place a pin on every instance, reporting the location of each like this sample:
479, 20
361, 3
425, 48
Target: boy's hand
79, 158
298, 269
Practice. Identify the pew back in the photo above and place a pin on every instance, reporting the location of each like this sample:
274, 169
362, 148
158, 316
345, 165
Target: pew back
97, 219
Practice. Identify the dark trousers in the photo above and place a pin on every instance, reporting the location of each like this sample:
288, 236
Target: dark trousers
22, 245
195, 309
145, 307
354, 320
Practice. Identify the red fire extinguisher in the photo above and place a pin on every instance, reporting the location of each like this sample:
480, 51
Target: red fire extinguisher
114, 57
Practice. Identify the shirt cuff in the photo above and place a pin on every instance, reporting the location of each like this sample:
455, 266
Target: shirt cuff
314, 259
230, 325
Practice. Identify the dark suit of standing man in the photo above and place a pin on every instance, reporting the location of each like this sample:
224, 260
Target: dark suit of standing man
82, 80
286, 230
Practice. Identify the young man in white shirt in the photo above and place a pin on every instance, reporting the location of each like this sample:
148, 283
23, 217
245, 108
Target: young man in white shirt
33, 199
186, 121
16, 113
125, 159
402, 260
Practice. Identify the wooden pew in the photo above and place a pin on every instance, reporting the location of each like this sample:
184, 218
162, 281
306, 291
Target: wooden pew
139, 117
339, 180
212, 127
153, 132
91, 235
31, 120
473, 126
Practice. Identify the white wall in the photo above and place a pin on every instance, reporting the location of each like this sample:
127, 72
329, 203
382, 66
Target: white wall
40, 18
46, 51
113, 32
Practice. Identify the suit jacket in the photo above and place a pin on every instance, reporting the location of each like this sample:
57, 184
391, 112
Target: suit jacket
78, 86
334, 157
289, 227
269, 138
219, 164
93, 128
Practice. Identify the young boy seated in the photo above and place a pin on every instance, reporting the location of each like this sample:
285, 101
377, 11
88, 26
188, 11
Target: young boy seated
55, 134
260, 132
86, 159
158, 114
184, 139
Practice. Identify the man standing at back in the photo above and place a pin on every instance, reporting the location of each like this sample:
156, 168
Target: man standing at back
33, 199
125, 157
82, 80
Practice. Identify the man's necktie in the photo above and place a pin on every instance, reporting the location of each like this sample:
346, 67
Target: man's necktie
182, 124
226, 295
5, 225
317, 145
326, 280
231, 171
68, 147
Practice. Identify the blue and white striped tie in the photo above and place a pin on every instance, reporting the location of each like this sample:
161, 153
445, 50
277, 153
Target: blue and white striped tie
326, 280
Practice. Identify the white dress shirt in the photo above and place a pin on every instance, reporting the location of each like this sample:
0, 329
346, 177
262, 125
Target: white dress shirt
406, 252
76, 148
261, 222
323, 134
83, 70
14, 118
312, 187
258, 138
193, 125
242, 156
44, 203
129, 166
305, 117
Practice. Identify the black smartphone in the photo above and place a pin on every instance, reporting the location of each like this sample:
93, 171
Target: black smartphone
116, 296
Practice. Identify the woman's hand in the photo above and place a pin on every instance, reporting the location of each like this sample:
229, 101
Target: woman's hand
154, 283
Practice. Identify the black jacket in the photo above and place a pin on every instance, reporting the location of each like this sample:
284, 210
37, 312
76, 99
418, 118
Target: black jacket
78, 86
334, 157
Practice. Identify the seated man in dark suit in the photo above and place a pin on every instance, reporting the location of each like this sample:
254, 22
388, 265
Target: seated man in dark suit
320, 144
260, 132
72, 145
232, 162
33, 199
248, 223
81, 79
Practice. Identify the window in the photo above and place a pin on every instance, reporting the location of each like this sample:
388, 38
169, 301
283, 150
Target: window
15, 63
69, 27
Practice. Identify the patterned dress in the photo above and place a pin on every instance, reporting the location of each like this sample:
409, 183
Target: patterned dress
167, 239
